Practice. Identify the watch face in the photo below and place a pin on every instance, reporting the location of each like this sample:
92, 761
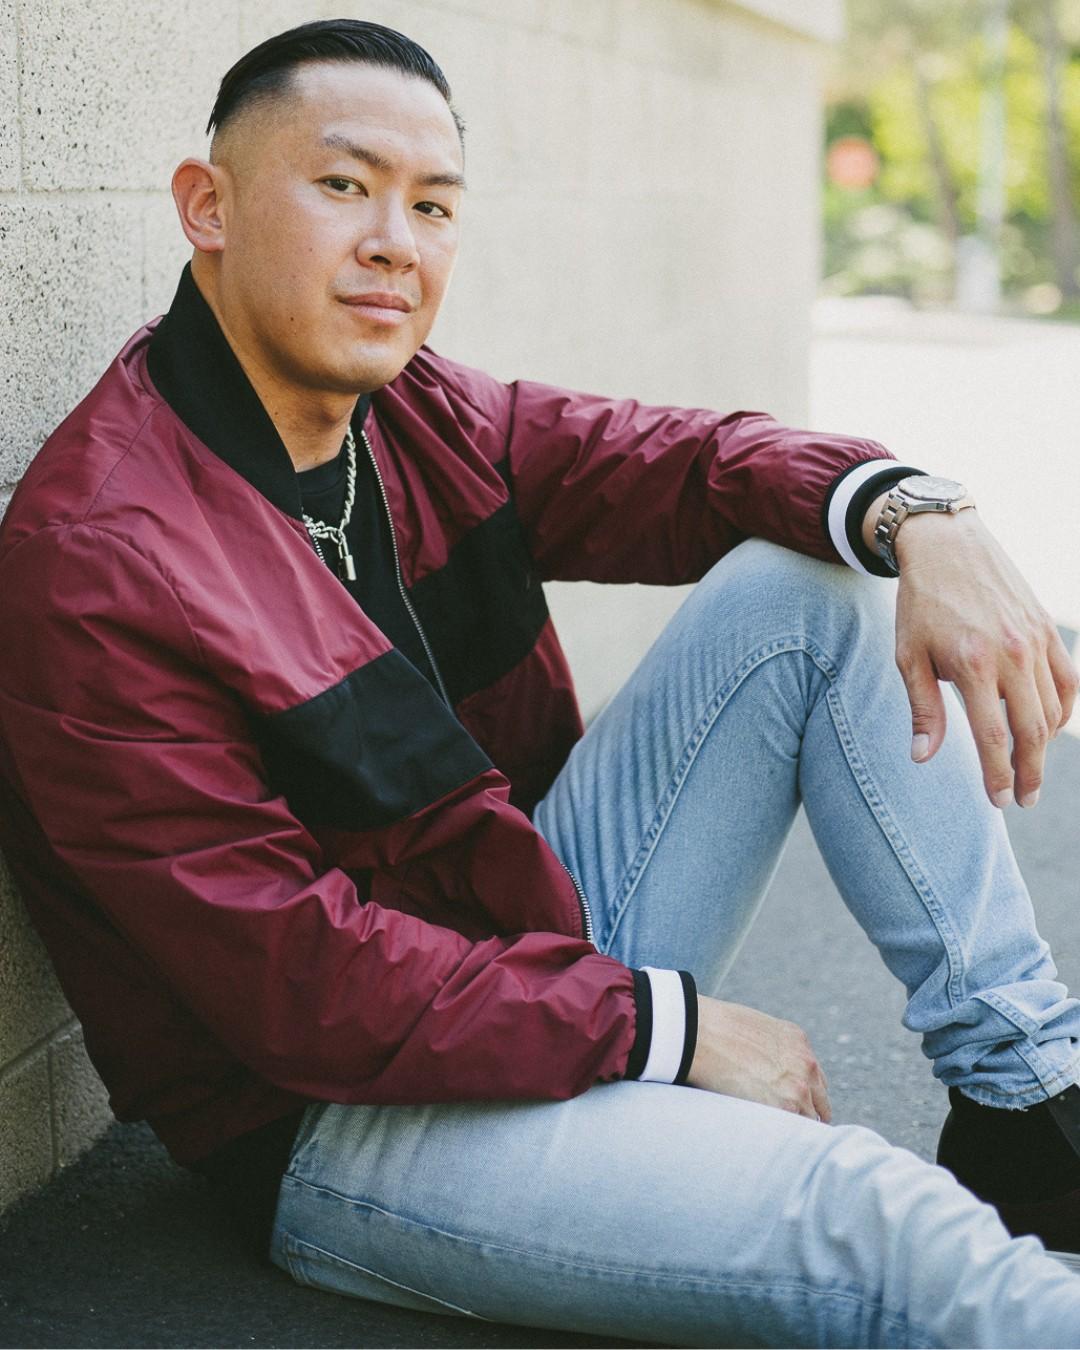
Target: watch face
927, 489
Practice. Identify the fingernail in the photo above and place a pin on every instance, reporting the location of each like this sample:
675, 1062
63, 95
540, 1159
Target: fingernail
1030, 799
920, 747
1003, 798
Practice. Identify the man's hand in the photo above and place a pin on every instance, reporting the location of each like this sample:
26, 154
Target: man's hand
744, 1053
964, 613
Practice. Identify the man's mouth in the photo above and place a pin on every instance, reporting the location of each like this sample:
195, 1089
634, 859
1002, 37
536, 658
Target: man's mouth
380, 306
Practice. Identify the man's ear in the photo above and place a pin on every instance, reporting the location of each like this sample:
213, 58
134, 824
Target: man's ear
197, 191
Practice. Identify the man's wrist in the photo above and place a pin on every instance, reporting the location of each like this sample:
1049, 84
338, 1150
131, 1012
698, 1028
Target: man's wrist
904, 535
918, 532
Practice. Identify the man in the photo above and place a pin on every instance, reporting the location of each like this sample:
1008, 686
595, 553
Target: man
296, 791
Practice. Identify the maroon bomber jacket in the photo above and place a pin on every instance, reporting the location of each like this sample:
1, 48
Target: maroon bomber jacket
269, 863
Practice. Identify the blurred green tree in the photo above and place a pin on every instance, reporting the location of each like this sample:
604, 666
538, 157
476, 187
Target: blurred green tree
1042, 17
916, 79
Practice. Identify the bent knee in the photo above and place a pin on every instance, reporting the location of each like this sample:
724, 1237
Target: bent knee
783, 591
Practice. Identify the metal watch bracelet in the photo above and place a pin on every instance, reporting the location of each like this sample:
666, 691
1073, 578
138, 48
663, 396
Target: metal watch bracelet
940, 495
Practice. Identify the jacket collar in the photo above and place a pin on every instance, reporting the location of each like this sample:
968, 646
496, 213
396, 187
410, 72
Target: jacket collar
197, 373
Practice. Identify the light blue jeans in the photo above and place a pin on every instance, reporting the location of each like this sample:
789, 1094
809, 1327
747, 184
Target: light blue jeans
678, 1215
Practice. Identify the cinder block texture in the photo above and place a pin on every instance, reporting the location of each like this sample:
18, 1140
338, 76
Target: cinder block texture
165, 250
114, 95
80, 1102
72, 294
9, 97
31, 1004
26, 1157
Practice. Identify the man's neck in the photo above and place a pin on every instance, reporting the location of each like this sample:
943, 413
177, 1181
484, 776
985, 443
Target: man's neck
312, 435
311, 425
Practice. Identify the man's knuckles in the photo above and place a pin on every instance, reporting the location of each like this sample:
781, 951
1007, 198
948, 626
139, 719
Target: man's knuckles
973, 656
923, 716
1019, 649
1055, 714
992, 735
1033, 735
1068, 686
909, 660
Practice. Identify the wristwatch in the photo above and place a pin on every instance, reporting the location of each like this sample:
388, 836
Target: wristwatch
908, 498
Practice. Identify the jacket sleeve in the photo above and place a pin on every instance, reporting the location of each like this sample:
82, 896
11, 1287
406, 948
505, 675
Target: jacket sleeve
614, 490
142, 771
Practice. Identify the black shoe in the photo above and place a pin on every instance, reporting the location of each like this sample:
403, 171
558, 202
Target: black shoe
1024, 1163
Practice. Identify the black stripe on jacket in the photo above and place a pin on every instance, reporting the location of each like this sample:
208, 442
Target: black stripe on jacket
375, 748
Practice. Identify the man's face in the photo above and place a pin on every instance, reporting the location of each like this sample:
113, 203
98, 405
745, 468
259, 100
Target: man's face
340, 225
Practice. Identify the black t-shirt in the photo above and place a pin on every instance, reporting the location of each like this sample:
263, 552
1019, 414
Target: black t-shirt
376, 590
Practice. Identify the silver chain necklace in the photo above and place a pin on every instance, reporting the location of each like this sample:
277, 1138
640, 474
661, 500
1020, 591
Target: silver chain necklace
319, 530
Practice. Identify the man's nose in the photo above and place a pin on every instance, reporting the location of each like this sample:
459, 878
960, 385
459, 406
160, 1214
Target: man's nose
389, 240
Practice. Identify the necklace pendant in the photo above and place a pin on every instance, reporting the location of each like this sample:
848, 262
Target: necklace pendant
347, 570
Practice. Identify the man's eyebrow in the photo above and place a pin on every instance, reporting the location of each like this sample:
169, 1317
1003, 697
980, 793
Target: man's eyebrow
336, 141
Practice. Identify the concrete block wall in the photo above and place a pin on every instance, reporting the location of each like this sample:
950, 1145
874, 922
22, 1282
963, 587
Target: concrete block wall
641, 220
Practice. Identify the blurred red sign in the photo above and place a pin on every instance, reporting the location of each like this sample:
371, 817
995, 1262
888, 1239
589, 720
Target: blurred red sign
852, 162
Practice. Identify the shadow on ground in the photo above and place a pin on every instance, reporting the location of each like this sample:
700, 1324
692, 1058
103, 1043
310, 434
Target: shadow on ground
125, 1249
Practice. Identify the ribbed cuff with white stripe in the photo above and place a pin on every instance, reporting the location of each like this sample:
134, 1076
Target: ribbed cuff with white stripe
847, 503
666, 1034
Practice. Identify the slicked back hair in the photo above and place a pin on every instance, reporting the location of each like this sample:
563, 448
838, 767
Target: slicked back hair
265, 71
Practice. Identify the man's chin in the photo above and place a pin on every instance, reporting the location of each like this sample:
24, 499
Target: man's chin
374, 369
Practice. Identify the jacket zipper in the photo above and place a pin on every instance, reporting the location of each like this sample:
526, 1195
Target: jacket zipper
397, 573
586, 912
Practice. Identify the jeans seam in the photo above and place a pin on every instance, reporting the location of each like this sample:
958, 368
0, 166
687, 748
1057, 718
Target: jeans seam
1051, 1080
901, 850
1008, 1011
291, 1243
668, 798
849, 1294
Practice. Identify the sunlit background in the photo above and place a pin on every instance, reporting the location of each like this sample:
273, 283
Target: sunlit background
949, 323
953, 139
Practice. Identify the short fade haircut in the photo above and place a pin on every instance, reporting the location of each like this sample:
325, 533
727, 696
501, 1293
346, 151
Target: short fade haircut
265, 71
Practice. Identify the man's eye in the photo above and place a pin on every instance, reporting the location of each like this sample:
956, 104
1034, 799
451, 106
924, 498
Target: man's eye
432, 209
342, 184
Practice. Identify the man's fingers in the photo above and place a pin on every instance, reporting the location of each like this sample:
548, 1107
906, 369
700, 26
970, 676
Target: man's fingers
927, 704
1030, 738
1031, 730
819, 1092
1049, 697
988, 725
1065, 676
800, 1103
